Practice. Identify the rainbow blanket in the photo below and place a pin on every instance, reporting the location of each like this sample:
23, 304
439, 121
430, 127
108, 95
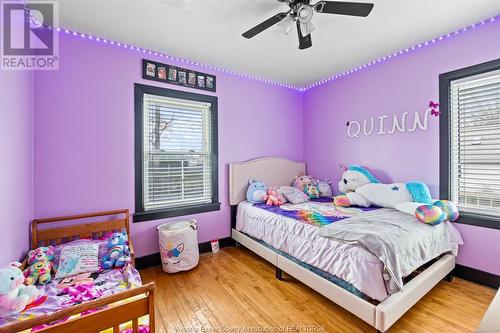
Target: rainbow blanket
317, 212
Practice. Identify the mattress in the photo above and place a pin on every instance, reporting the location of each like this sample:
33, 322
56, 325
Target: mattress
348, 262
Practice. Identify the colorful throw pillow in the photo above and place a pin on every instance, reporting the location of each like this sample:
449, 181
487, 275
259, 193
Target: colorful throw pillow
78, 259
294, 195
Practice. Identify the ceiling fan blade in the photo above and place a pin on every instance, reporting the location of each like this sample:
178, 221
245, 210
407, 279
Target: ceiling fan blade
264, 25
304, 41
344, 8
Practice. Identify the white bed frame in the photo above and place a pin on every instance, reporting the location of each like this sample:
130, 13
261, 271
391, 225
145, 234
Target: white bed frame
280, 171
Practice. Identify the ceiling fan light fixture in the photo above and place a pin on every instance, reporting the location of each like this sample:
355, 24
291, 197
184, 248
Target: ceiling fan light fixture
307, 28
305, 14
286, 24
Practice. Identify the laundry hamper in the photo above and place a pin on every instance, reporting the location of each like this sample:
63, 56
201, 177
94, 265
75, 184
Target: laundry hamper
178, 245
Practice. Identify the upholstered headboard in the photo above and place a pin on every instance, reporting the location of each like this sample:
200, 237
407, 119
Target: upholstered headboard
270, 170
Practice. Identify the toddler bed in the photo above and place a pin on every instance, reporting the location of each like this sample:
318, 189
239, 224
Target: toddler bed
105, 301
347, 274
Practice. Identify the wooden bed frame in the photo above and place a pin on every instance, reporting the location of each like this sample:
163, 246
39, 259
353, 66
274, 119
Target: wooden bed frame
133, 303
280, 171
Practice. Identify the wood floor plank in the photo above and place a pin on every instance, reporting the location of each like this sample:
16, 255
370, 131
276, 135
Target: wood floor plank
236, 288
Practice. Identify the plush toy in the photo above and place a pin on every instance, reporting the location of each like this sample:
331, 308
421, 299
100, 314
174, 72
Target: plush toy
300, 182
274, 197
325, 188
311, 190
118, 251
256, 192
361, 188
14, 295
40, 265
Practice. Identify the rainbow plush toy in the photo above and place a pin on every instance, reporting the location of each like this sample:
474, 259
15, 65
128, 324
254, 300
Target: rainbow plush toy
361, 188
40, 265
118, 251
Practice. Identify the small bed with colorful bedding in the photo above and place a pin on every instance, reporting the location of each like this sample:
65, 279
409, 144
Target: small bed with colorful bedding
106, 300
304, 240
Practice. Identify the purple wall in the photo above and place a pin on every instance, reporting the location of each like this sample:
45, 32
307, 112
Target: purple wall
84, 134
16, 149
16, 178
404, 83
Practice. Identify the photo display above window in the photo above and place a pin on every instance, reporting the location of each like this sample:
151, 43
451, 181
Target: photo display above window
152, 70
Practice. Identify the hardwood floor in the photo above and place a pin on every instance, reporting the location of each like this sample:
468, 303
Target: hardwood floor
236, 289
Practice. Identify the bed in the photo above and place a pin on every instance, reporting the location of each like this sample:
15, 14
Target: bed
123, 303
358, 284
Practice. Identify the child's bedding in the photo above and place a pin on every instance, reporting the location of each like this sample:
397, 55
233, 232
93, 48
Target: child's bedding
317, 212
303, 241
399, 240
63, 293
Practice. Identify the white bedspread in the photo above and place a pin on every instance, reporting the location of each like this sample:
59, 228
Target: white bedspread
302, 241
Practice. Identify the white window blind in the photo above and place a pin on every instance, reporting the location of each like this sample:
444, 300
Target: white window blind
177, 152
475, 143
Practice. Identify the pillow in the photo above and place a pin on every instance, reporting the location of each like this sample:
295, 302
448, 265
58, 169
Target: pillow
294, 195
278, 189
102, 243
78, 259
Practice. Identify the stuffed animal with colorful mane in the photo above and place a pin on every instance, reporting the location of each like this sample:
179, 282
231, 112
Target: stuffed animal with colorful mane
41, 265
14, 295
361, 188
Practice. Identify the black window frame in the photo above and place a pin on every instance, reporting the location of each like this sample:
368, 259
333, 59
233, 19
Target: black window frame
141, 214
445, 80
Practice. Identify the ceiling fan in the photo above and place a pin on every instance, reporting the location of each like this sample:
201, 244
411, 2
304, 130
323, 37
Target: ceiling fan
301, 13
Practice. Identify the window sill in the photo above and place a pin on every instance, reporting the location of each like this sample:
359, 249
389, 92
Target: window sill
173, 212
479, 220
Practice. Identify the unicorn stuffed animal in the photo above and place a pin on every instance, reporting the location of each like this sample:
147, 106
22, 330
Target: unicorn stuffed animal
361, 188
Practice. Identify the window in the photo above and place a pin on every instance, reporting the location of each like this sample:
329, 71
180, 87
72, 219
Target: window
176, 153
470, 142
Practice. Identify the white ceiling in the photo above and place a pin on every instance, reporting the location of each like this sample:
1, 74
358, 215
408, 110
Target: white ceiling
209, 31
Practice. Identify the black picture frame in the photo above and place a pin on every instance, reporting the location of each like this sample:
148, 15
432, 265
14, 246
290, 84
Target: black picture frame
150, 71
445, 80
140, 213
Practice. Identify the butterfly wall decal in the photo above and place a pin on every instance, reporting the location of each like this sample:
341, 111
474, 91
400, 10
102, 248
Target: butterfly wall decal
434, 109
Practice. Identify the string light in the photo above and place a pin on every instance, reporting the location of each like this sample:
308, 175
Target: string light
277, 83
401, 52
